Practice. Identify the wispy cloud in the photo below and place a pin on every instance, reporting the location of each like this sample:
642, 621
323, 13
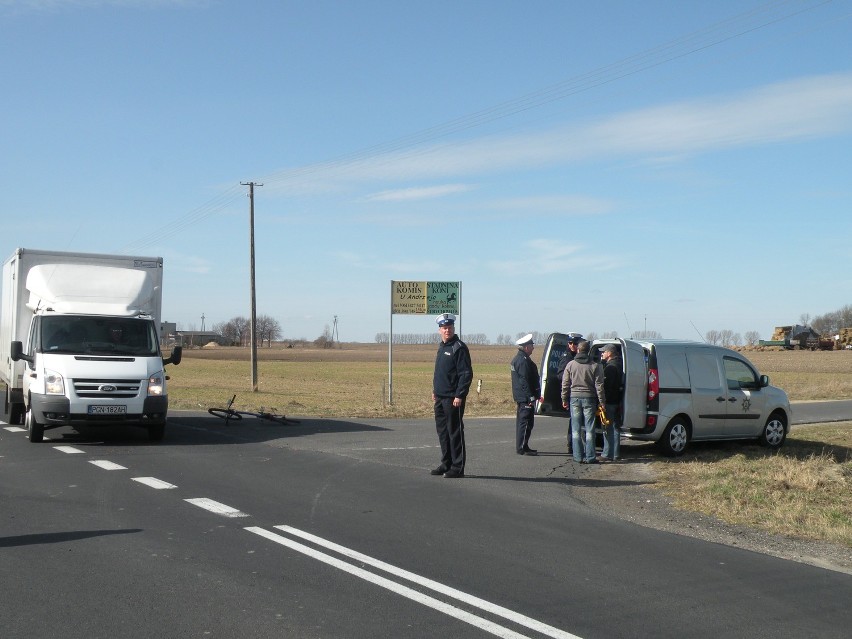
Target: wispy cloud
561, 204
51, 5
418, 193
188, 263
546, 256
805, 108
396, 220
401, 267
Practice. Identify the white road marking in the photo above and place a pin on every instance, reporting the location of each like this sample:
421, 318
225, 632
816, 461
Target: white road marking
464, 597
216, 507
108, 465
15, 429
69, 449
153, 482
404, 591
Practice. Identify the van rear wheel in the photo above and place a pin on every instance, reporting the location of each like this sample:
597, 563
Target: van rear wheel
675, 438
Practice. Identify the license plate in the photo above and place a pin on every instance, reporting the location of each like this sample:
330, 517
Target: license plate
97, 409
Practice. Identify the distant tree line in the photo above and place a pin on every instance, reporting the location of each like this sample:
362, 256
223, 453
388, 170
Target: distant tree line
237, 331
725, 337
429, 338
831, 323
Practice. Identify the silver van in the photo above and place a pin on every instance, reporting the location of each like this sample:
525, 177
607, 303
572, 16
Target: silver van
681, 391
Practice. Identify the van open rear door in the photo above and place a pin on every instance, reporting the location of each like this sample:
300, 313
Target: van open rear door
635, 385
551, 386
634, 361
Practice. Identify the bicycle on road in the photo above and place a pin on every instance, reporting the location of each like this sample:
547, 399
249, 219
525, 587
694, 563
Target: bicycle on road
229, 413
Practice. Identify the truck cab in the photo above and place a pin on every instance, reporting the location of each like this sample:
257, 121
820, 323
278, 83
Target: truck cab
93, 370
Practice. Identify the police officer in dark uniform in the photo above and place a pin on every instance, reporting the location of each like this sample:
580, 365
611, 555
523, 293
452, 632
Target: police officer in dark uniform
450, 385
526, 389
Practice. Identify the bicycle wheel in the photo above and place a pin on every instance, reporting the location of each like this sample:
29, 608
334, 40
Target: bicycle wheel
225, 413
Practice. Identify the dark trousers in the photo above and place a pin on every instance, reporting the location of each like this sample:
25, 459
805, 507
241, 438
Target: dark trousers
524, 421
450, 426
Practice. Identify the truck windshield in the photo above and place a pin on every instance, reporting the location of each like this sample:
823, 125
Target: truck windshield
81, 334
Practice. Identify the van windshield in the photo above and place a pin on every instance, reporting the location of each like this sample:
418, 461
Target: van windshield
90, 334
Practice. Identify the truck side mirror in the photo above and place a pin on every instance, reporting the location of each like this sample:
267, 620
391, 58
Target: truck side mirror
764, 381
17, 353
175, 357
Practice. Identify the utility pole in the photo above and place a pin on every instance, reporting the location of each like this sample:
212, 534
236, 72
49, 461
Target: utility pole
253, 325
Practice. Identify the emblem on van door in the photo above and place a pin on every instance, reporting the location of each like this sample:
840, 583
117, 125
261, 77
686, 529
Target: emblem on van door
746, 405
106, 388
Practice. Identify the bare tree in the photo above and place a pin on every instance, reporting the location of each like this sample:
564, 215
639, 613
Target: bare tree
752, 338
646, 335
268, 330
235, 331
726, 337
713, 337
325, 340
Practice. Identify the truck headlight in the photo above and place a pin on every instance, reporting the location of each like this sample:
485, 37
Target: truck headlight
53, 383
156, 384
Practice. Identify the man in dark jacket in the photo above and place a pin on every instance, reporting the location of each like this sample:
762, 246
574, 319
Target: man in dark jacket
614, 392
570, 353
450, 385
526, 389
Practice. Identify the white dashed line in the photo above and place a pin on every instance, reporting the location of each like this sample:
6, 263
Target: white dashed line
107, 465
15, 429
153, 482
69, 449
215, 507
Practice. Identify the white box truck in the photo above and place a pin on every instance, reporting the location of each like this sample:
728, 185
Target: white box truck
79, 341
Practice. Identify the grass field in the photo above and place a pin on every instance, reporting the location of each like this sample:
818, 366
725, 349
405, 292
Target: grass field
352, 381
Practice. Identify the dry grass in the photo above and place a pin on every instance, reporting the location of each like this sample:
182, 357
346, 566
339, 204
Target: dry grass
807, 375
346, 382
804, 490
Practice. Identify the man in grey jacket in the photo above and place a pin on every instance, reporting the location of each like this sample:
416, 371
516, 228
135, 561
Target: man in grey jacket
582, 390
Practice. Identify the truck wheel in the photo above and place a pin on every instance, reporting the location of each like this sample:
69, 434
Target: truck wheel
12, 413
774, 432
35, 431
156, 432
675, 438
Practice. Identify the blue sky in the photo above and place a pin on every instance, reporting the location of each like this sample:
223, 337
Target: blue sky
595, 167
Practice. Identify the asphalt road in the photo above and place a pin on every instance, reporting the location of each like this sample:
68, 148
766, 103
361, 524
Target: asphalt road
334, 528
819, 412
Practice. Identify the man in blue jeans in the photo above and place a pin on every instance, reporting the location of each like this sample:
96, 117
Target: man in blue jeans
614, 391
582, 390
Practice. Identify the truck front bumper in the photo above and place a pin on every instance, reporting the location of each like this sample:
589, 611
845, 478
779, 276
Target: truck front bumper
55, 411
